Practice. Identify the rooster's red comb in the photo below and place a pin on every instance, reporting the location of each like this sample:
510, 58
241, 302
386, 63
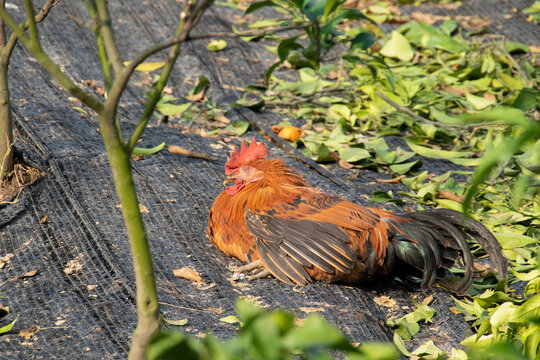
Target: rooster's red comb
253, 152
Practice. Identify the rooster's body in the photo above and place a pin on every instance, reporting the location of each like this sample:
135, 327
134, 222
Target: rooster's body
271, 214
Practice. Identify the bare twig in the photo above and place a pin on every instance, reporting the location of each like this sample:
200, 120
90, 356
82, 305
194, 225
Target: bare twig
175, 149
418, 117
247, 34
390, 181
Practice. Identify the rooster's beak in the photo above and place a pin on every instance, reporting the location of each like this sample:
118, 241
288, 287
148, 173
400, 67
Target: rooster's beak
228, 180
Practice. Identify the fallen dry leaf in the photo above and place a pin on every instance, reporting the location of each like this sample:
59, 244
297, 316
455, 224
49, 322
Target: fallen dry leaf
427, 300
175, 149
188, 273
221, 118
472, 23
454, 311
196, 97
385, 301
218, 310
72, 266
428, 18
311, 309
489, 96
453, 90
291, 133
28, 333
7, 257
29, 274
44, 219
345, 165
450, 196
332, 75
482, 269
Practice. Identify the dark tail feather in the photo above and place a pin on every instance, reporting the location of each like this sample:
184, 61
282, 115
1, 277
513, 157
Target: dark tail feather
435, 238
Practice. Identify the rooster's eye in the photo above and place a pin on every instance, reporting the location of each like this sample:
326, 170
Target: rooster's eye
245, 169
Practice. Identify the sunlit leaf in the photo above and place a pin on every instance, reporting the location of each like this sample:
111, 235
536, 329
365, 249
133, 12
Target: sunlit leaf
216, 45
398, 47
168, 109
354, 154
179, 322
239, 127
509, 241
7, 328
148, 66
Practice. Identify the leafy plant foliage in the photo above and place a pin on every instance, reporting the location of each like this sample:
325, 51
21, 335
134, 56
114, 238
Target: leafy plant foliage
268, 335
471, 102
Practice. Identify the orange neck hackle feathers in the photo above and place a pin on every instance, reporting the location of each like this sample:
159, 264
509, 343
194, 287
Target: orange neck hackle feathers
246, 154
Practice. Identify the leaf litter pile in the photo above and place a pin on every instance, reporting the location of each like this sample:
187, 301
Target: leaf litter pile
449, 95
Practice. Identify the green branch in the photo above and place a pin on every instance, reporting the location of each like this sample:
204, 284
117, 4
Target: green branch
105, 28
34, 47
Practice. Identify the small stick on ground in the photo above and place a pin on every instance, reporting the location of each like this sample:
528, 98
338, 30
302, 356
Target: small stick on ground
175, 149
390, 181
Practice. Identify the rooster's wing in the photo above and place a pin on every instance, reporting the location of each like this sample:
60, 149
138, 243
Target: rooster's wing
308, 231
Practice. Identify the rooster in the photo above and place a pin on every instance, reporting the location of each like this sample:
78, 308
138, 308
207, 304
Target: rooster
269, 217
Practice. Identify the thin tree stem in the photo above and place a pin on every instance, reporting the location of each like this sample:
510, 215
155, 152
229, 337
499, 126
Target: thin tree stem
35, 48
105, 28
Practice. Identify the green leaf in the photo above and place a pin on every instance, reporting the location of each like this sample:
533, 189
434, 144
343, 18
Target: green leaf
330, 6
449, 204
201, 84
231, 319
338, 111
422, 313
426, 35
316, 332
354, 154
79, 109
401, 345
179, 322
146, 152
529, 310
398, 47
239, 127
527, 99
503, 314
363, 41
6, 328
257, 5
148, 66
513, 240
264, 24
286, 46
167, 109
428, 348
513, 47
170, 345
406, 167
436, 153
216, 45
478, 102
270, 71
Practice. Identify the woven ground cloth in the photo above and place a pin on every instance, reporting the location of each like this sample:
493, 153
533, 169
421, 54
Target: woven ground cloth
69, 227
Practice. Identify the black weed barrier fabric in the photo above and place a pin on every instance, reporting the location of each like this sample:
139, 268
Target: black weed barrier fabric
69, 227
